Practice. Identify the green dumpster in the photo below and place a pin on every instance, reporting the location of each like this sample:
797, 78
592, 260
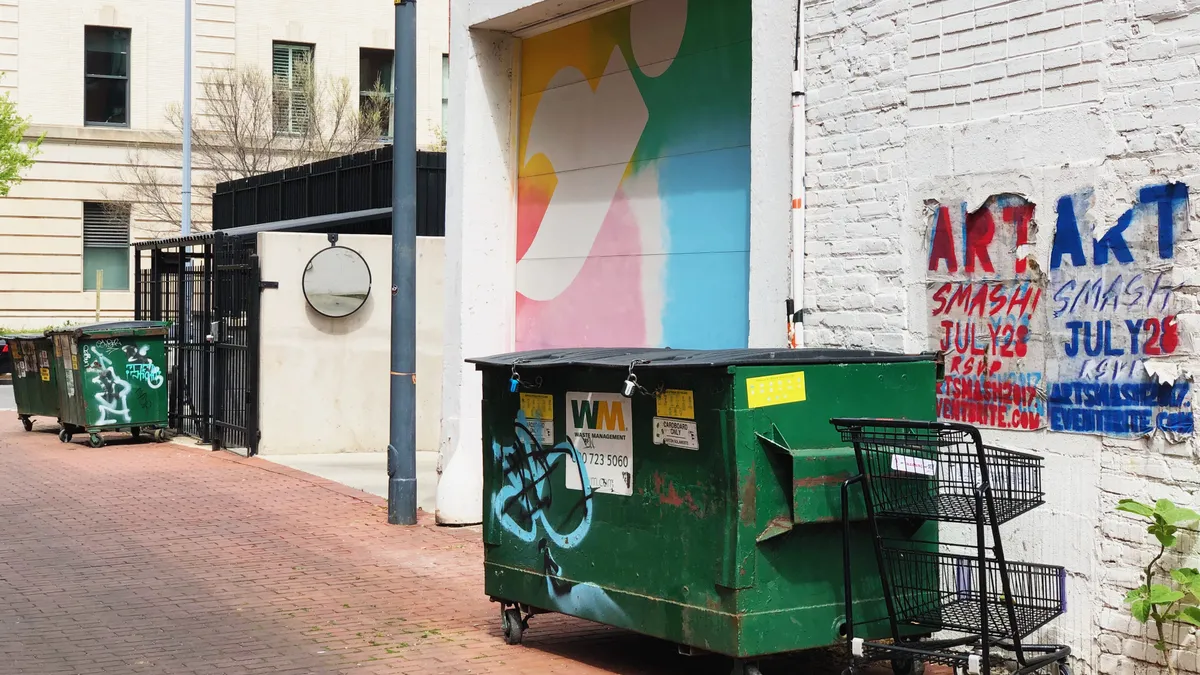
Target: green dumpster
694, 496
114, 379
34, 379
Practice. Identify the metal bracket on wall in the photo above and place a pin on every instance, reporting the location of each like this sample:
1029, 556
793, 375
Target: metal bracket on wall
333, 238
268, 284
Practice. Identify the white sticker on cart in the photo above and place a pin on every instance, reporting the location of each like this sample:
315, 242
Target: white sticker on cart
918, 465
601, 427
676, 433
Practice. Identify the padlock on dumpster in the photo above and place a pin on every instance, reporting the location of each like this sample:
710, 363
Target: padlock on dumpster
693, 496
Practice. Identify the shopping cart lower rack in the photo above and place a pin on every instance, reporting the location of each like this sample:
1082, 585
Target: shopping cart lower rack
943, 472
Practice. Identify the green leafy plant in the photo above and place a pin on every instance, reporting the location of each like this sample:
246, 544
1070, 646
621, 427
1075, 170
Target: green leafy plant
16, 153
1174, 600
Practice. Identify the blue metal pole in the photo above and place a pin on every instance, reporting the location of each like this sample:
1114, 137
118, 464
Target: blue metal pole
186, 225
402, 446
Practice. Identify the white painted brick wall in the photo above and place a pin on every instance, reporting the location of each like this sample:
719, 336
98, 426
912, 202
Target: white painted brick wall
961, 99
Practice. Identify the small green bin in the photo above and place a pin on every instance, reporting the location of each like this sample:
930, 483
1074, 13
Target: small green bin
34, 378
693, 496
114, 378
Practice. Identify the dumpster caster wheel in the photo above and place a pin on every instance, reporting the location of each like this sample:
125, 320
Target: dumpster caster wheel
27, 423
96, 440
64, 436
136, 432
514, 625
160, 435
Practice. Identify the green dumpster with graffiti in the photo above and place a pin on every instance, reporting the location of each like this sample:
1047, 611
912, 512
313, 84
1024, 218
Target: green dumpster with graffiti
693, 496
113, 379
34, 378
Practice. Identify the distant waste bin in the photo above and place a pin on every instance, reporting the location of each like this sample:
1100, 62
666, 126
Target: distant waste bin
113, 379
694, 496
34, 377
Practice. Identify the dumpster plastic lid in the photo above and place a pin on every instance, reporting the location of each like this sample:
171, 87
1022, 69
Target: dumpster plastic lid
692, 358
115, 328
24, 336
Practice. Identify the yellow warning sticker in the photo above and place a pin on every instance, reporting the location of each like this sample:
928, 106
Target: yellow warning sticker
538, 406
45, 374
770, 390
74, 362
677, 403
539, 416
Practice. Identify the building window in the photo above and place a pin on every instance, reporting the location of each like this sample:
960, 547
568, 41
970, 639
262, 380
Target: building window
375, 86
292, 67
106, 76
106, 245
445, 90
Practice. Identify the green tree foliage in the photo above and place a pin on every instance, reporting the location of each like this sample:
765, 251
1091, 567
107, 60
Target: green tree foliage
16, 154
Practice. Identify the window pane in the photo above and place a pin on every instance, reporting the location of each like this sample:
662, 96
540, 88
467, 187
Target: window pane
104, 101
106, 51
445, 90
290, 64
375, 70
114, 262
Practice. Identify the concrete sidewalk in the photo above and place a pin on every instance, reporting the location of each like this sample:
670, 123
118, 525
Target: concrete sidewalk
366, 471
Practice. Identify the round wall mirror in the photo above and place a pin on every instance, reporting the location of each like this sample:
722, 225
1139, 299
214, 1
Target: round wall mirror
337, 282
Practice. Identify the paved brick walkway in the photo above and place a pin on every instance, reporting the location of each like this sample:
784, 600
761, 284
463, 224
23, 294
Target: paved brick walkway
144, 558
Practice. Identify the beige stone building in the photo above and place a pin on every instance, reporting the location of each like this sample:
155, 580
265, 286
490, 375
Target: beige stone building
97, 78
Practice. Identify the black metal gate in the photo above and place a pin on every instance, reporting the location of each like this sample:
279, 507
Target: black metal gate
174, 284
207, 287
235, 340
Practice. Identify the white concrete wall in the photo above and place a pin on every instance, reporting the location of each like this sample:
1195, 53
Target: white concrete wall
481, 207
324, 382
41, 61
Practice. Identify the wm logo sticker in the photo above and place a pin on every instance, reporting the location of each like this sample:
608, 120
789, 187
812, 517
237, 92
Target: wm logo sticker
599, 415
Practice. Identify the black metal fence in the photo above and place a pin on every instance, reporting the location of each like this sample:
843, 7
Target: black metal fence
355, 182
206, 287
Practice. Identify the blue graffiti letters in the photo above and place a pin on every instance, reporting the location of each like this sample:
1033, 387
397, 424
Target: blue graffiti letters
1124, 409
523, 504
1160, 205
1066, 235
1170, 199
1134, 293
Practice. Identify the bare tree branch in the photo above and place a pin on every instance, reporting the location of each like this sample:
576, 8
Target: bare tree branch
249, 123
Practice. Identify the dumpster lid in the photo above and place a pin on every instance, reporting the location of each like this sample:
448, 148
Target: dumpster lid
23, 336
115, 328
692, 358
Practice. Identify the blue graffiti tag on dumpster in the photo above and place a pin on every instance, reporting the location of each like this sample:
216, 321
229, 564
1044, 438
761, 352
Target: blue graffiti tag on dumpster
526, 507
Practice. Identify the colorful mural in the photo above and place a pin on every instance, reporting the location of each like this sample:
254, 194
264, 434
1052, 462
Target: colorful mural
633, 202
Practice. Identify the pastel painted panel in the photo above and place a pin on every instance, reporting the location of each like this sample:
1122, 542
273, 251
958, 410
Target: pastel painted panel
633, 188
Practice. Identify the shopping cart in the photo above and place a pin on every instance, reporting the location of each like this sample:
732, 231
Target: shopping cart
939, 471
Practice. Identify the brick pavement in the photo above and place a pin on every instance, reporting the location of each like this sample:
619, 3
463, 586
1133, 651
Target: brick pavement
145, 558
